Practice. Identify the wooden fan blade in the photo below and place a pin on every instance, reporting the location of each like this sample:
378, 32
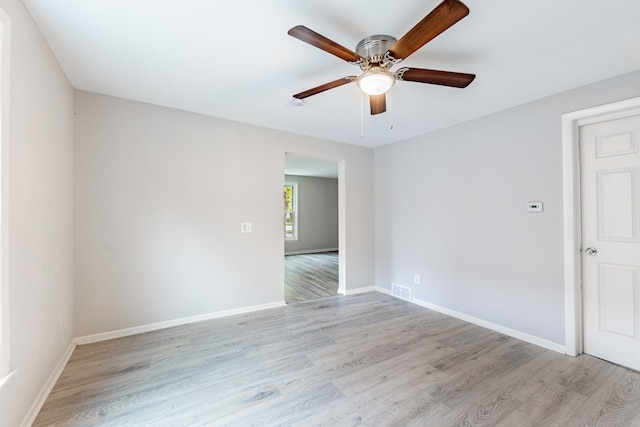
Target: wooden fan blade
378, 103
326, 86
442, 17
436, 77
321, 42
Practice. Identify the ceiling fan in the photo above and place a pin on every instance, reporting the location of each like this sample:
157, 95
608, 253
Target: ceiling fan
376, 55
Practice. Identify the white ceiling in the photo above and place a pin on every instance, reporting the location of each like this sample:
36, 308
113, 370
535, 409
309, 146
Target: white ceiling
234, 60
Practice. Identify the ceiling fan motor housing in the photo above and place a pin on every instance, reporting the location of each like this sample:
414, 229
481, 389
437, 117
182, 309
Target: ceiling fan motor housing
377, 54
373, 49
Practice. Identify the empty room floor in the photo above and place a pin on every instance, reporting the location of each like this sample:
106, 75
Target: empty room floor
366, 359
310, 276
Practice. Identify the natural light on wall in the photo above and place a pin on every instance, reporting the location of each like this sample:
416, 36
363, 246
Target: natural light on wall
5, 44
291, 211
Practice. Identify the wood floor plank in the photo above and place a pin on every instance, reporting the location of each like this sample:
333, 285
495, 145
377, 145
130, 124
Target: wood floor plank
609, 404
310, 276
361, 360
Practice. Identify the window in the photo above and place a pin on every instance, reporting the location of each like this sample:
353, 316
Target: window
291, 211
5, 44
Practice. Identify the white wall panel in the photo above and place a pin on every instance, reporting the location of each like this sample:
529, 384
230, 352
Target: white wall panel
617, 144
317, 214
617, 201
41, 293
618, 296
160, 195
450, 206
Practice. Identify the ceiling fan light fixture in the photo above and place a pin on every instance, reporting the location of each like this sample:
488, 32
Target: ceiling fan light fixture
376, 81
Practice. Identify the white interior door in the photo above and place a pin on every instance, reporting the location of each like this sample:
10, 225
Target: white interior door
610, 191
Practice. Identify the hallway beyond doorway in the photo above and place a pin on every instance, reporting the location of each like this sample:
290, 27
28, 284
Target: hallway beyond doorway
310, 276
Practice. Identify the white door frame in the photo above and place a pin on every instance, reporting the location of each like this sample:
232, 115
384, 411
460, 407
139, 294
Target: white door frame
572, 235
342, 217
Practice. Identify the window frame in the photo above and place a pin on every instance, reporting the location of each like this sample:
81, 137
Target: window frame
296, 220
5, 54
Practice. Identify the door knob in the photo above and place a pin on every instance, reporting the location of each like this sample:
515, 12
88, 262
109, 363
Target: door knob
591, 251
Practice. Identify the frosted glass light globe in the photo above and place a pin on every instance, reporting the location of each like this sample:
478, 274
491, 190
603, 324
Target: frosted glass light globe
376, 81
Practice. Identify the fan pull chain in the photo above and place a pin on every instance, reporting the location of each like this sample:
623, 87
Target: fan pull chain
361, 114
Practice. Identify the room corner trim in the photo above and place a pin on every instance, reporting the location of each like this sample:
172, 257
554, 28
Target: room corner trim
119, 333
383, 290
531, 339
34, 410
358, 290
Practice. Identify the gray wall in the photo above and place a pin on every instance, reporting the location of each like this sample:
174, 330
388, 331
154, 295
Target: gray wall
39, 272
157, 216
160, 195
317, 214
450, 206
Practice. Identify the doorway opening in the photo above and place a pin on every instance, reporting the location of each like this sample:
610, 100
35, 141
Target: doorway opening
312, 228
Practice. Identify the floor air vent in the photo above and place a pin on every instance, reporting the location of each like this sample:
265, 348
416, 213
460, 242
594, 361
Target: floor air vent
401, 292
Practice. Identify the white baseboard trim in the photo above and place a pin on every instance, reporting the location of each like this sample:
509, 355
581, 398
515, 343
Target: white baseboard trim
383, 290
531, 339
88, 339
311, 251
31, 415
359, 290
5, 379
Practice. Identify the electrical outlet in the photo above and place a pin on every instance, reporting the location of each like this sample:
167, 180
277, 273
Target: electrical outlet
245, 227
416, 278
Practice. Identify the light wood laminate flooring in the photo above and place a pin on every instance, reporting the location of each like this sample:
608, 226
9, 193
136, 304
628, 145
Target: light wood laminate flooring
310, 276
366, 359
